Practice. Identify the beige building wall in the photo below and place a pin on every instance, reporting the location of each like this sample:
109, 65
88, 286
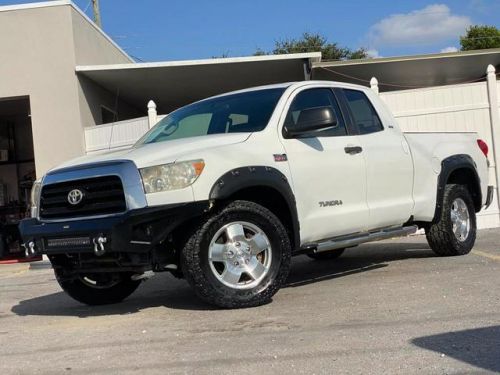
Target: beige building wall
40, 48
91, 47
37, 61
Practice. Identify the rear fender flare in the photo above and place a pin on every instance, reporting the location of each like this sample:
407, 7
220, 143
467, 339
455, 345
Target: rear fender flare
448, 166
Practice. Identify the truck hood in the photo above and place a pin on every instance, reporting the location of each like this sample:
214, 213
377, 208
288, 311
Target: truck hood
162, 152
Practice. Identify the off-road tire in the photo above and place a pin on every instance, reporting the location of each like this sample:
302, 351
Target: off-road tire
195, 263
440, 234
81, 292
327, 255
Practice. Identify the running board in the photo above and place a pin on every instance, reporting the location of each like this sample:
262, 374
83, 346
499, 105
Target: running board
359, 238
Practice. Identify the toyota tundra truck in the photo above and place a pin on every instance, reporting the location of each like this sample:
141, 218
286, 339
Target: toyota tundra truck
223, 192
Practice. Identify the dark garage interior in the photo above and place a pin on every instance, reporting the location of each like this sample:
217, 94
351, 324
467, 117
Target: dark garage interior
17, 171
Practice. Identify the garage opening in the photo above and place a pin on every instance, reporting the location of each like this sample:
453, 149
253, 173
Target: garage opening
17, 171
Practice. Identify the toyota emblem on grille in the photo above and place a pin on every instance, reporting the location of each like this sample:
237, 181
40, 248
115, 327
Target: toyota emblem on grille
75, 196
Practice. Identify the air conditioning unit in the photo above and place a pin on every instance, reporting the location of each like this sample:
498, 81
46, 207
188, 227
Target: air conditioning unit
4, 155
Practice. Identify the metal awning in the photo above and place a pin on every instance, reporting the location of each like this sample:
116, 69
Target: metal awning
409, 72
173, 84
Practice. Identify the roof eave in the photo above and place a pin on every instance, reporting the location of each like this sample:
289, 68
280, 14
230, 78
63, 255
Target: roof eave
314, 57
407, 58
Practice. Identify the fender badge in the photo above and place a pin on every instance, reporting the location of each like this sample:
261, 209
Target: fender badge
280, 157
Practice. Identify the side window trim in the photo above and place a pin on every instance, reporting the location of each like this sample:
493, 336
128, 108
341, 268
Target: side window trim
352, 128
346, 120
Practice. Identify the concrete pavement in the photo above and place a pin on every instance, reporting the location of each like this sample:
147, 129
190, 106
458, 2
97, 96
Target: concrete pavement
390, 307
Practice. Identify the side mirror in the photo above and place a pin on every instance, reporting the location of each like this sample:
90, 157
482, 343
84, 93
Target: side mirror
313, 119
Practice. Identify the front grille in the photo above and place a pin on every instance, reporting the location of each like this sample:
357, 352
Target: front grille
101, 196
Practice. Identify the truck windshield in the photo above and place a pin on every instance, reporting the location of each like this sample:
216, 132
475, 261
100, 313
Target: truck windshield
237, 113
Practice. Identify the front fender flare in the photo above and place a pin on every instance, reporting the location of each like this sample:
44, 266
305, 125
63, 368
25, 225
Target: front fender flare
255, 176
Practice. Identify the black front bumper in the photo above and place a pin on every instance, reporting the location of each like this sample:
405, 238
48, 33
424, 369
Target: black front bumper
135, 231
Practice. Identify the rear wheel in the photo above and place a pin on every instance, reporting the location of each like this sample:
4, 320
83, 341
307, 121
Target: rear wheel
327, 255
454, 233
98, 288
238, 257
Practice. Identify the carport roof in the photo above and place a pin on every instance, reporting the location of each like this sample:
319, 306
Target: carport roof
176, 83
407, 72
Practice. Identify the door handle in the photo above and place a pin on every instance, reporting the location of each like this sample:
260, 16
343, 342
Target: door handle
352, 150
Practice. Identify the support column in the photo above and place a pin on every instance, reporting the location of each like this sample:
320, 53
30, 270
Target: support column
374, 85
152, 114
491, 80
307, 69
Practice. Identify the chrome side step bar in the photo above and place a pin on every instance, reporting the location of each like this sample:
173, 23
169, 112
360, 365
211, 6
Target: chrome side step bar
359, 238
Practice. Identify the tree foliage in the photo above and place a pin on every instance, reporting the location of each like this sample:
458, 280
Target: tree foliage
314, 43
480, 37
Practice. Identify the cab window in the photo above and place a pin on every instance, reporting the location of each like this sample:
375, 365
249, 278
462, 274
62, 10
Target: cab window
363, 114
320, 97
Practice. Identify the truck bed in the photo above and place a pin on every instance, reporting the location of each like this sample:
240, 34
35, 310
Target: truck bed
437, 146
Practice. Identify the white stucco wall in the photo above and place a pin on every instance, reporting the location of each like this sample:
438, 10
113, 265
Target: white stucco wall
37, 62
40, 48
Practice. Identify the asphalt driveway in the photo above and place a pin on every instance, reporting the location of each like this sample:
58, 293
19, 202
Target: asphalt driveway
388, 307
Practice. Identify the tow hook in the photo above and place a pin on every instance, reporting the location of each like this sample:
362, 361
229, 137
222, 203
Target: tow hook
99, 245
29, 249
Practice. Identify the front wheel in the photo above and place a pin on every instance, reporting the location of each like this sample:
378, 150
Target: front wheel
98, 289
238, 257
454, 232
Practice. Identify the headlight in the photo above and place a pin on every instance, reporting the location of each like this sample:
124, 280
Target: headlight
36, 189
171, 176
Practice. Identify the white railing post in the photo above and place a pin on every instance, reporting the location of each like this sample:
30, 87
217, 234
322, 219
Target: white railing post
491, 80
374, 84
152, 114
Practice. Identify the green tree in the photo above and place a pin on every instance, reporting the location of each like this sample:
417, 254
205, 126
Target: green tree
314, 43
480, 37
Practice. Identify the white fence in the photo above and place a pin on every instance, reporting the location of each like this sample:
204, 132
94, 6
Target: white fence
454, 108
115, 136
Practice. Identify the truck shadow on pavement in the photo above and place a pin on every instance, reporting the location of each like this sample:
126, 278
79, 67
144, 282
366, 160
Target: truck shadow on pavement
167, 291
478, 347
368, 257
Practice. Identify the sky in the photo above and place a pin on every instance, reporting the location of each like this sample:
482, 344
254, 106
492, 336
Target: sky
159, 30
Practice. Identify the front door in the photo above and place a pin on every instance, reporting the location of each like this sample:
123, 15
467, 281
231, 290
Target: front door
328, 174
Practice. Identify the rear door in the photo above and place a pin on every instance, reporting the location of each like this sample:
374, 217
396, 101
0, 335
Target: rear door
389, 166
328, 174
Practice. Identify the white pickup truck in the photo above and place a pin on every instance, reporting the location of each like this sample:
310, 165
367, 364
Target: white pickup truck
223, 192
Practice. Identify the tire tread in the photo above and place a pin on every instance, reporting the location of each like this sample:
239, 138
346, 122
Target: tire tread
85, 294
190, 259
440, 237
